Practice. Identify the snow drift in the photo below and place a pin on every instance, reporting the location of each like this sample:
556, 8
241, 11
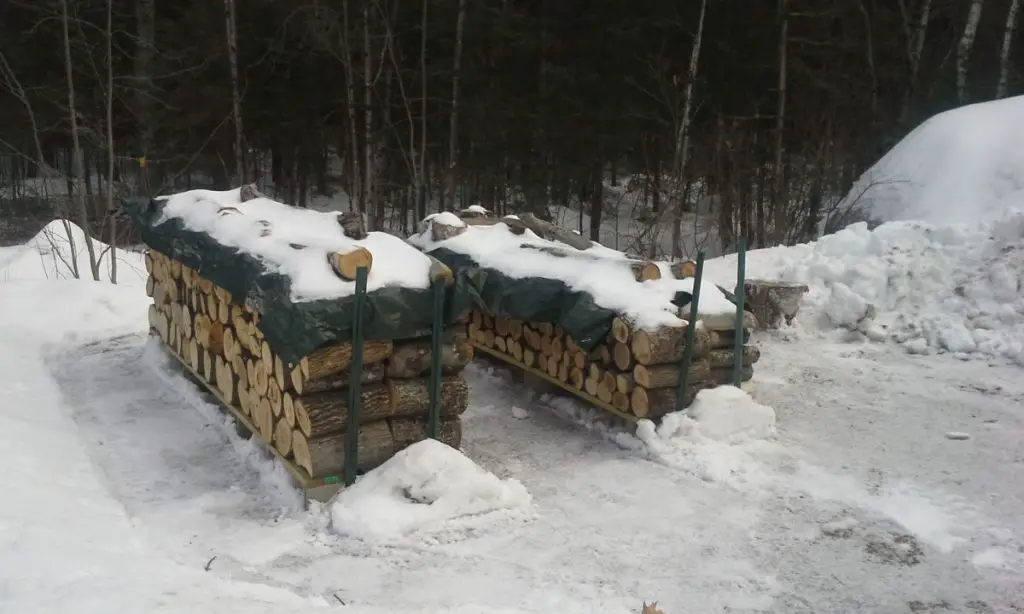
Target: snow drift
428, 488
960, 167
716, 439
55, 252
930, 288
946, 273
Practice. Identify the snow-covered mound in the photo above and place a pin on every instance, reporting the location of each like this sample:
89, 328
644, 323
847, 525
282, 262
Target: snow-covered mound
960, 167
270, 231
57, 248
931, 288
600, 271
716, 438
428, 489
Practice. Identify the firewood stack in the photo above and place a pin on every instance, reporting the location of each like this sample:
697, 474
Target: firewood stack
722, 333
634, 371
301, 410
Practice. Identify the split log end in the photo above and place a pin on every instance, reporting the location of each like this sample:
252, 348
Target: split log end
345, 265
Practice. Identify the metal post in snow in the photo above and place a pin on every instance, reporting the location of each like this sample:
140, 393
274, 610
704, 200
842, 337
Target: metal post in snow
434, 417
355, 380
737, 349
684, 364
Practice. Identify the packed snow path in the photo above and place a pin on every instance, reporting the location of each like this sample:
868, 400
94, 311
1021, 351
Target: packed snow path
865, 502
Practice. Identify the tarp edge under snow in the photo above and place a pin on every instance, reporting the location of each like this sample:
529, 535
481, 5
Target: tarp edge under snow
296, 322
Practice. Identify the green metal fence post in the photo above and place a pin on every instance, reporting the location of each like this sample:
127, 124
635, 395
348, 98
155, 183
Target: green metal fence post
434, 417
741, 273
684, 364
355, 380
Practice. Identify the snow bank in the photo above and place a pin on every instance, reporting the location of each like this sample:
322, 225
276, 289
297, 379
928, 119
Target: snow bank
717, 438
57, 248
428, 488
395, 263
930, 288
67, 544
598, 271
963, 166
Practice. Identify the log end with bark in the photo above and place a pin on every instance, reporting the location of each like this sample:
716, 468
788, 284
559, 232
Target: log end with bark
346, 264
352, 225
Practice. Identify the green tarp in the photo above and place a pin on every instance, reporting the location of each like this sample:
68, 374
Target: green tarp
531, 299
294, 330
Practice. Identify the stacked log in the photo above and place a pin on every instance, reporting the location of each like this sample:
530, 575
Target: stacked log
301, 410
633, 371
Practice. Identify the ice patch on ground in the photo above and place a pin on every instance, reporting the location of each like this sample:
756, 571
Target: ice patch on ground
936, 523
429, 489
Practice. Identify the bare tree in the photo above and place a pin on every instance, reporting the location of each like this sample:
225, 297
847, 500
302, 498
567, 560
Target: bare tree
77, 170
110, 141
236, 100
368, 187
963, 51
453, 139
780, 200
355, 185
145, 52
1004, 53
915, 34
683, 136
421, 195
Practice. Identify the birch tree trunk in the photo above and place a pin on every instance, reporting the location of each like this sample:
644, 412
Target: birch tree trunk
453, 138
963, 52
1004, 53
683, 136
77, 169
915, 36
110, 141
236, 101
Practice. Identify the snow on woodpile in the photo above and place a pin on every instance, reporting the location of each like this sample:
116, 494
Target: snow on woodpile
427, 489
296, 242
608, 328
627, 286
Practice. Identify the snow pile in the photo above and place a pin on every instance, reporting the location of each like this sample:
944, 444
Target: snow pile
930, 288
960, 167
598, 271
429, 489
225, 218
719, 438
57, 249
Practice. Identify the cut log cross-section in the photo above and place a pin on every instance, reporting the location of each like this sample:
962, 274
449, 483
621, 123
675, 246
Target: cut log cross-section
346, 264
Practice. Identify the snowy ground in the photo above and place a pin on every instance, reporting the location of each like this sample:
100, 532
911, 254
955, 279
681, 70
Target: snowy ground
125, 486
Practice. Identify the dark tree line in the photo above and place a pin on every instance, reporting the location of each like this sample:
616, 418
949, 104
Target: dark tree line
757, 114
